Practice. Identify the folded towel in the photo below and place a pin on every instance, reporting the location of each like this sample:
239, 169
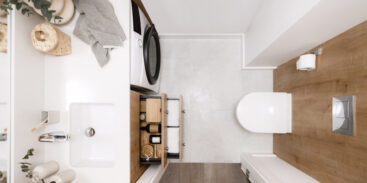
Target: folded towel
44, 170
99, 27
63, 177
173, 140
173, 117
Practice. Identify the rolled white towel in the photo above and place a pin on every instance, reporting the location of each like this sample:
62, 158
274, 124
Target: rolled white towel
44, 170
64, 177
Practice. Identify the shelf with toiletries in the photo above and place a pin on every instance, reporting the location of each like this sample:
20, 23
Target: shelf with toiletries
160, 131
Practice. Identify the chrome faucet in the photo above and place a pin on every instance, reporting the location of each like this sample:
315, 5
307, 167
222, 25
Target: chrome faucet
54, 137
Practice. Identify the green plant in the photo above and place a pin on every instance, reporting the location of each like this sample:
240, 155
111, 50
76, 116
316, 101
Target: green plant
20, 5
25, 166
1, 174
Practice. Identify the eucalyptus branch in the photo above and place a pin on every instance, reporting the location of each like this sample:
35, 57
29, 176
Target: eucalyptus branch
25, 166
20, 5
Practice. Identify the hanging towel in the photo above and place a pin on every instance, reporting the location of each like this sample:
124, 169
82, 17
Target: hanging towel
99, 27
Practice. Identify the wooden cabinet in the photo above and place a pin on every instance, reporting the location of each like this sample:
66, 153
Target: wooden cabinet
153, 110
153, 113
136, 169
164, 130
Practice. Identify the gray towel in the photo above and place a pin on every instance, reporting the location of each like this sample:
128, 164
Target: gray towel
99, 27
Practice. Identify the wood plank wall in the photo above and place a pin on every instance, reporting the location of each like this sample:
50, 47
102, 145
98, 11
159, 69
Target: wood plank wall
313, 147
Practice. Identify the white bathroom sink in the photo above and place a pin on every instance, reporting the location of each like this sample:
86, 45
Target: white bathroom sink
94, 150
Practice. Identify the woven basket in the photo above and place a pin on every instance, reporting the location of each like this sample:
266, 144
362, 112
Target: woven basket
50, 40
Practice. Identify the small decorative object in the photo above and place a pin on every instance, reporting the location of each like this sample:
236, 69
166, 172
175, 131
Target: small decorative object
3, 38
3, 15
67, 13
42, 6
25, 166
148, 151
63, 11
50, 40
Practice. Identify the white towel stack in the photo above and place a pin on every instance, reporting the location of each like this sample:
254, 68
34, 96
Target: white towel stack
44, 170
173, 140
63, 177
173, 123
173, 117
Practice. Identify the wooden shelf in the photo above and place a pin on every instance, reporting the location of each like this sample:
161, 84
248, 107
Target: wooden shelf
155, 110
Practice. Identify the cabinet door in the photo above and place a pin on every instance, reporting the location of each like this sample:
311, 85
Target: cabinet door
153, 110
136, 170
164, 130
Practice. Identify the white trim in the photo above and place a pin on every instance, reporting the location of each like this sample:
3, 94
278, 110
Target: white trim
259, 68
11, 48
240, 36
200, 36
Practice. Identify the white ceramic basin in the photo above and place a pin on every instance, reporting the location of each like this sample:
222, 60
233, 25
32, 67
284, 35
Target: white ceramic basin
92, 151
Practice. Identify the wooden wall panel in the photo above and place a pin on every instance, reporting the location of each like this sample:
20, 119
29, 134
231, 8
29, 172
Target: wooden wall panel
313, 147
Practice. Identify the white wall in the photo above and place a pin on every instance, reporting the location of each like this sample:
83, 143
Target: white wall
79, 78
4, 107
28, 93
206, 70
202, 16
322, 21
273, 19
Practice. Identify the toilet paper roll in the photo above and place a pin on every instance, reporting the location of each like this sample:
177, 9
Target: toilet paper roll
306, 62
49, 39
3, 38
44, 170
63, 177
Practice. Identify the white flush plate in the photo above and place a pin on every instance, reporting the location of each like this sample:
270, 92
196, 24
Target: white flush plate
343, 115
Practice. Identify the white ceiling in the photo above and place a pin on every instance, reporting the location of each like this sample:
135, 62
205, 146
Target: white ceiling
202, 16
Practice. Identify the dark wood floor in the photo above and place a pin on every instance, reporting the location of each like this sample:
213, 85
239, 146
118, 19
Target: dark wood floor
204, 173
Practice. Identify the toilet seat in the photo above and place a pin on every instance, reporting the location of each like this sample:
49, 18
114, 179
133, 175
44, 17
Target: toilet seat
266, 112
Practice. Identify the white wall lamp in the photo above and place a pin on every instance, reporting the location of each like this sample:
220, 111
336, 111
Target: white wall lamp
307, 62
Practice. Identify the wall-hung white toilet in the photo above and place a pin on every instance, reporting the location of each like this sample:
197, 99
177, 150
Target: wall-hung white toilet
266, 112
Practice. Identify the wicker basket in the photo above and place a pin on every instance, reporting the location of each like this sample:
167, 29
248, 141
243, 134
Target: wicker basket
50, 40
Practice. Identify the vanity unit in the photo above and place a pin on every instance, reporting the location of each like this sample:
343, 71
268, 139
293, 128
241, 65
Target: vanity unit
156, 126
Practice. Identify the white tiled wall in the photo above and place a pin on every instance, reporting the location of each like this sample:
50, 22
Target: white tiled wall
207, 72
